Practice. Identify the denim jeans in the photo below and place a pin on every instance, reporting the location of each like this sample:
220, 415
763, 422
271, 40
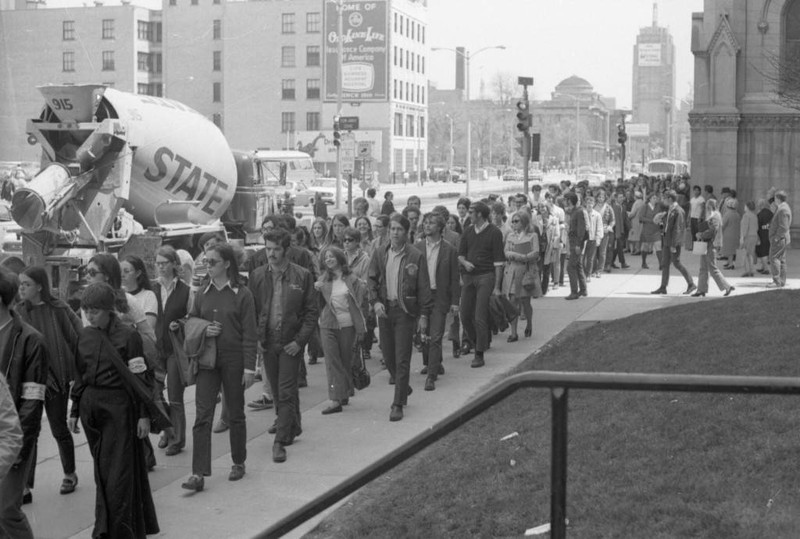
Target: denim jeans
397, 336
475, 293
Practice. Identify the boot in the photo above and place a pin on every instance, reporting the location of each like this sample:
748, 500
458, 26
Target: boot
660, 265
644, 261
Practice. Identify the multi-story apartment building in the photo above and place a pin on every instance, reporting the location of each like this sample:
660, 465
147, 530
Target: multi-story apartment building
115, 45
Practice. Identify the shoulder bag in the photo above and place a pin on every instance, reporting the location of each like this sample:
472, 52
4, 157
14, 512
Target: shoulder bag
361, 377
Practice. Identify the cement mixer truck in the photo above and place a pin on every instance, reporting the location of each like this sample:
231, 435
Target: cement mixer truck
122, 172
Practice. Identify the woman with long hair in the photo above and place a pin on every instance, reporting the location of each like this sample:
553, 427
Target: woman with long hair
336, 231
319, 234
453, 224
522, 252
749, 237
764, 215
708, 261
229, 307
341, 323
357, 259
364, 226
113, 416
172, 303
60, 328
136, 283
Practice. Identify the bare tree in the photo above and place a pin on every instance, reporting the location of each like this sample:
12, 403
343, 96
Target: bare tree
784, 74
505, 88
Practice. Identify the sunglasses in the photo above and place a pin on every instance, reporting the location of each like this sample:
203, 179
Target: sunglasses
211, 262
348, 240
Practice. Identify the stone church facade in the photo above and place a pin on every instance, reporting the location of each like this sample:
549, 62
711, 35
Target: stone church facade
741, 136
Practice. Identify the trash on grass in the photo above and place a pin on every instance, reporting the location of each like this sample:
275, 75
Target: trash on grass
513, 462
509, 436
544, 528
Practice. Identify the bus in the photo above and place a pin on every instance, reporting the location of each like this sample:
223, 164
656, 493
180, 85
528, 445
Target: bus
276, 167
663, 167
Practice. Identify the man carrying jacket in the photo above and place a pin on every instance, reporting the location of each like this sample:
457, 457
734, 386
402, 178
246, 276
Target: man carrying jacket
400, 292
288, 314
24, 361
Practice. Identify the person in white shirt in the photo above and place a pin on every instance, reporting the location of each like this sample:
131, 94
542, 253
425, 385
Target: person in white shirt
595, 226
697, 206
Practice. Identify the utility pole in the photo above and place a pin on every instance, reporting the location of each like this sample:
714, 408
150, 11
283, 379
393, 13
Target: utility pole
524, 125
340, 42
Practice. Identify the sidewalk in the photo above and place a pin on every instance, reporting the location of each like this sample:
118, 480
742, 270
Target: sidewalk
332, 448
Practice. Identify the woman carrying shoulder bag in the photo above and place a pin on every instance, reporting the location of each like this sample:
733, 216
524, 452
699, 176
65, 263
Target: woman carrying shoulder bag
708, 261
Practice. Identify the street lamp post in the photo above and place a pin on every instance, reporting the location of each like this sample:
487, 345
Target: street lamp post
467, 56
450, 162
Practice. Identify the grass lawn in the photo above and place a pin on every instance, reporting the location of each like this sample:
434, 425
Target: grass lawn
641, 465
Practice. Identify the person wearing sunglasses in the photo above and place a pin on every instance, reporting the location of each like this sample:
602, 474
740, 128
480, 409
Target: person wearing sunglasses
522, 253
230, 308
357, 259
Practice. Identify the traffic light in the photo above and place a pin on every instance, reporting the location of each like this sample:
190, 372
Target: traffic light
622, 136
524, 116
337, 136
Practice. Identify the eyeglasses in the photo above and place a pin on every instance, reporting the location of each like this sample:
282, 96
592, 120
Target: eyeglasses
211, 262
348, 240
94, 273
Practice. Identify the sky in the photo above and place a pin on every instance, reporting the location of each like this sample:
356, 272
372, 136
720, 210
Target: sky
548, 40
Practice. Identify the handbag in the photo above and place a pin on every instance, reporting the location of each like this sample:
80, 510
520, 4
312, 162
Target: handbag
699, 248
146, 389
361, 377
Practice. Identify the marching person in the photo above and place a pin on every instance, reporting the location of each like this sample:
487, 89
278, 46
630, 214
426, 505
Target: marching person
230, 309
480, 254
672, 237
779, 240
399, 290
442, 262
708, 261
23, 360
577, 235
288, 316
60, 328
115, 420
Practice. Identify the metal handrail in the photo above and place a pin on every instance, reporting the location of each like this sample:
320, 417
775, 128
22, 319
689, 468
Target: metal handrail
559, 384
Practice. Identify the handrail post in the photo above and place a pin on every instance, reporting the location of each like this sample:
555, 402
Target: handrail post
558, 459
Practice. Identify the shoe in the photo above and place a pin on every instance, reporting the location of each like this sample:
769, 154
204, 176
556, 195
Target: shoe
528, 332
692, 287
273, 429
659, 291
220, 426
424, 370
441, 370
513, 338
747, 274
584, 293
774, 285
173, 450
278, 452
195, 483
728, 266
396, 414
588, 278
68, 484
465, 349
345, 402
430, 385
596, 275
763, 271
302, 382
27, 497
699, 295
237, 472
335, 409
410, 391
572, 296
626, 266
391, 380
312, 360
456, 350
264, 403
163, 441
645, 266
607, 270
614, 266
478, 361
729, 290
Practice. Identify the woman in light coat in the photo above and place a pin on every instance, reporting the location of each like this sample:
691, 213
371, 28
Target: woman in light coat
731, 223
748, 238
708, 261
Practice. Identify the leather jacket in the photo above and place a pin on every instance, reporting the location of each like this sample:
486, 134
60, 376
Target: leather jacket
414, 288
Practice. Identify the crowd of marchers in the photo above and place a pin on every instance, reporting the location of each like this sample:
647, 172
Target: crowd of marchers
328, 292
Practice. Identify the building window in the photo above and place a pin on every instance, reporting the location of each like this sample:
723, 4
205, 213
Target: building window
410, 160
173, 2
68, 30
217, 61
423, 96
313, 55
422, 129
313, 23
194, 2
144, 62
398, 160
144, 31
108, 60
215, 2
394, 57
153, 89
287, 23
68, 61
423, 65
394, 88
217, 29
108, 28
423, 35
409, 125
287, 57
401, 58
217, 119
398, 124
287, 89
287, 122
312, 89
217, 92
312, 121
395, 22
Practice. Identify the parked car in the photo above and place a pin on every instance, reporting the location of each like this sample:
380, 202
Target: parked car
458, 174
512, 174
327, 186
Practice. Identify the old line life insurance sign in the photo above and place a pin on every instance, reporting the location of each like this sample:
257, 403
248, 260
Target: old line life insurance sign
365, 59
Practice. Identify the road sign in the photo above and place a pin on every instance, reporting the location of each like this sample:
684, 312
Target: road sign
348, 123
364, 149
347, 154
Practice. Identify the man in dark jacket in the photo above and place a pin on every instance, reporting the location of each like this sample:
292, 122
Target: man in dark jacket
577, 236
288, 313
671, 239
399, 291
24, 362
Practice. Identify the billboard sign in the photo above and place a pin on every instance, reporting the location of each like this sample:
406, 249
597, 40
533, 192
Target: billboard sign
649, 54
638, 130
319, 144
365, 56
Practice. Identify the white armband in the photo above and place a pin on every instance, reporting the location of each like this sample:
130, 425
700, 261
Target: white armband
137, 365
32, 391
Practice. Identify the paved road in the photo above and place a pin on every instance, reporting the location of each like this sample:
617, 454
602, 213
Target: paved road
334, 447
